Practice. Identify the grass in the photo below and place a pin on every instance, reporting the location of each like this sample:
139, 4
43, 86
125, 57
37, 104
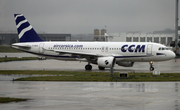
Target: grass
17, 59
90, 76
8, 49
68, 78
98, 78
7, 99
41, 72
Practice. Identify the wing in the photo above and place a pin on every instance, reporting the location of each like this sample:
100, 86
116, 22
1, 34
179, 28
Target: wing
76, 53
92, 57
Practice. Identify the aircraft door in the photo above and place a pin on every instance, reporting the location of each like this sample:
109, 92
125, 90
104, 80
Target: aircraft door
149, 49
41, 50
104, 49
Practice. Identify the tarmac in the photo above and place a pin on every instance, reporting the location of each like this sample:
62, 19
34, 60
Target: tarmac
170, 66
89, 95
92, 95
164, 67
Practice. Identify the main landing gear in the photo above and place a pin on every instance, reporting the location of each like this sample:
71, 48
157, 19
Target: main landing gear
101, 68
88, 67
151, 66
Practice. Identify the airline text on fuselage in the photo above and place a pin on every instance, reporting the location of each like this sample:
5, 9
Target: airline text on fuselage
133, 48
68, 46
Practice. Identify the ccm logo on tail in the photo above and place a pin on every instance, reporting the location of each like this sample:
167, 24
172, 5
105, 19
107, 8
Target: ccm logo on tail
133, 48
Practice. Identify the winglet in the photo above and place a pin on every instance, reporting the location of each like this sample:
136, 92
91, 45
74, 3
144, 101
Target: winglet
26, 32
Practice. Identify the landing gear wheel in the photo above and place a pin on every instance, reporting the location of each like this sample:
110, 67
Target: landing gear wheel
151, 68
101, 68
88, 67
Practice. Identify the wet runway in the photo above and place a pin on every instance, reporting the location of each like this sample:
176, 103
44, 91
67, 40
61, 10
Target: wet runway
92, 95
89, 95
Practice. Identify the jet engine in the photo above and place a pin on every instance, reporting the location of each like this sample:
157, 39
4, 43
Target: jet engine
106, 62
125, 64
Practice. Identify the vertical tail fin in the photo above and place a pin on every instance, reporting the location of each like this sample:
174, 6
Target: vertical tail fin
26, 32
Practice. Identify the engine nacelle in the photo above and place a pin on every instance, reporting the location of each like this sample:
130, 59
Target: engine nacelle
125, 64
106, 62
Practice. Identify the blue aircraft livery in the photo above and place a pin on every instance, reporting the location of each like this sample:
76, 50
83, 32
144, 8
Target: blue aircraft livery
138, 48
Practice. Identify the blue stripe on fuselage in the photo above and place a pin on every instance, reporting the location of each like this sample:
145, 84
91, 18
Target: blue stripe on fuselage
160, 54
133, 56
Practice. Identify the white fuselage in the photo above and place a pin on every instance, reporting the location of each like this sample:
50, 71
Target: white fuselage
122, 51
104, 54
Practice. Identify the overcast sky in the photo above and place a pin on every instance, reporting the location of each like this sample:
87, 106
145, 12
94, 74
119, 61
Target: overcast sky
83, 16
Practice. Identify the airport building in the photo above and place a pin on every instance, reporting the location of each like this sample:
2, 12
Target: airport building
9, 38
99, 36
165, 39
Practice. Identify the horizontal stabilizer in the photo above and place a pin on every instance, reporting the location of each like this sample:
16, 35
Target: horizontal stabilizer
21, 46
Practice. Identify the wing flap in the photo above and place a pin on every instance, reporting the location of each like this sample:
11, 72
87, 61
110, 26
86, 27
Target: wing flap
76, 53
82, 54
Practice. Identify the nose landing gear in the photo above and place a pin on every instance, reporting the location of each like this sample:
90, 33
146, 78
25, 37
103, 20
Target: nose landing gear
151, 66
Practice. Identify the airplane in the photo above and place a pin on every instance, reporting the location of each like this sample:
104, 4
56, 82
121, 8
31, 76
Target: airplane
103, 54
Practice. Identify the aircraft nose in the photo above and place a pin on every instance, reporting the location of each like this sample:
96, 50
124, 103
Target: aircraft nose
171, 55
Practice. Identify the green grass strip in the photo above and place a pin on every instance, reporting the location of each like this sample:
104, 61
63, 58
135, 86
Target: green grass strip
98, 78
8, 49
90, 76
7, 100
17, 59
49, 72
